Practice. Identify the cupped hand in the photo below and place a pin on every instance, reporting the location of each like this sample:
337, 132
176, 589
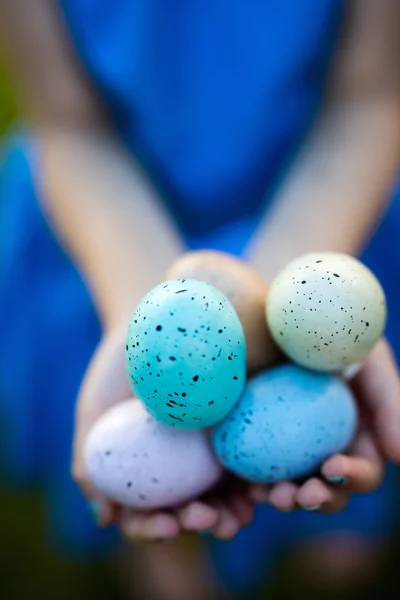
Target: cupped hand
361, 470
223, 511
227, 508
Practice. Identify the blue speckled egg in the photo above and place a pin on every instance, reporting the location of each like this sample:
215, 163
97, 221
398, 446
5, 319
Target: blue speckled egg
186, 354
287, 423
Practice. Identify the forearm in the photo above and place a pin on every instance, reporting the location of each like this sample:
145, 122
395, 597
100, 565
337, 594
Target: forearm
107, 215
102, 207
337, 188
340, 183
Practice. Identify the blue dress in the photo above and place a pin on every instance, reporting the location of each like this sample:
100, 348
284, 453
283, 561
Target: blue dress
214, 98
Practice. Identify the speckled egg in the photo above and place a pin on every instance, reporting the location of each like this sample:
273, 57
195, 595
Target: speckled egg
288, 421
186, 354
244, 289
326, 311
143, 464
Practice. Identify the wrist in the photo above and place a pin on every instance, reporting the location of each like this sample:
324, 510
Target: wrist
119, 300
117, 311
266, 266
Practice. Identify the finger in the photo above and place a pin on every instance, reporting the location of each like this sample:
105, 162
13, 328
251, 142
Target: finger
316, 495
232, 493
377, 386
102, 510
259, 493
243, 509
137, 527
283, 496
338, 501
197, 516
361, 472
350, 372
106, 383
227, 525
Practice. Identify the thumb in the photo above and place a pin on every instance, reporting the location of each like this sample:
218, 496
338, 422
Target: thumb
377, 386
106, 383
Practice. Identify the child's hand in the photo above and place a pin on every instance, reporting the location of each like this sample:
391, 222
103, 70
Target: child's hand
377, 388
106, 384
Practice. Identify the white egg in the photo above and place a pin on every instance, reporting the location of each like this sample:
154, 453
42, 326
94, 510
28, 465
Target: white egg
326, 311
143, 464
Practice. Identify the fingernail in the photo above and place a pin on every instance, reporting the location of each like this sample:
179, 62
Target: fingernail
312, 508
94, 509
350, 372
205, 531
338, 480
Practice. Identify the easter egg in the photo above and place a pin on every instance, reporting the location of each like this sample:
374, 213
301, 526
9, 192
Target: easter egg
186, 354
288, 421
245, 291
143, 464
326, 311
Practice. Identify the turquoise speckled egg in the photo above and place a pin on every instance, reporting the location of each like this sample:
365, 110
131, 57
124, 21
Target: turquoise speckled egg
287, 423
186, 354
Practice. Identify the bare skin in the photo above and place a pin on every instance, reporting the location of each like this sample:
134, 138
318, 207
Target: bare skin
330, 200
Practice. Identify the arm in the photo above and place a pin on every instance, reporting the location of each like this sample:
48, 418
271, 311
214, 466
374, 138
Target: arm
331, 200
340, 182
105, 211
110, 220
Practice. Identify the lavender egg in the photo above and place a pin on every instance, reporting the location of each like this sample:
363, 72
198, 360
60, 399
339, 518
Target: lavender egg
287, 423
186, 354
143, 464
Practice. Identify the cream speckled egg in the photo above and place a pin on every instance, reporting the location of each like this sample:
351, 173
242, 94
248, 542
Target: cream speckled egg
143, 464
247, 293
326, 311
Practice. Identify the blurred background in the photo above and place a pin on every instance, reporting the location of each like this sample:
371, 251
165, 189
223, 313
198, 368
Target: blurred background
31, 566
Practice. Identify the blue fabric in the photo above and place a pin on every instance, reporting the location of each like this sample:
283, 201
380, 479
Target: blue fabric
214, 98
212, 95
48, 333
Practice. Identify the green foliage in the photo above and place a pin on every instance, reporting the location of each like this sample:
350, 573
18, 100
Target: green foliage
7, 100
